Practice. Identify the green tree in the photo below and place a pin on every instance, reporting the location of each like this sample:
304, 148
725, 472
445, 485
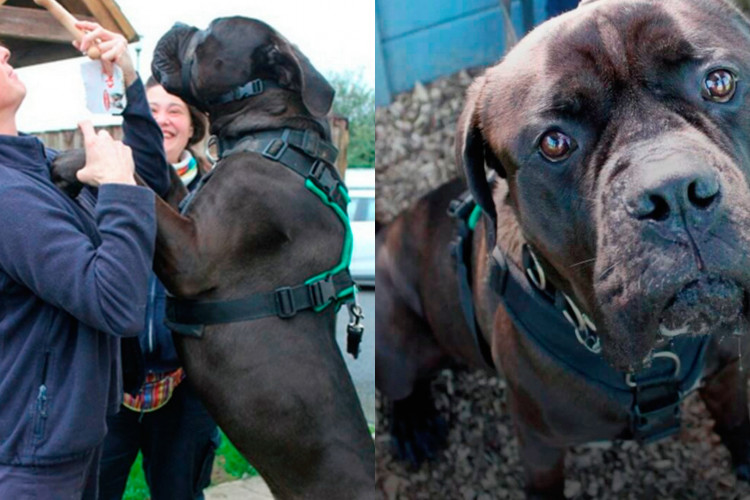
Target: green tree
355, 100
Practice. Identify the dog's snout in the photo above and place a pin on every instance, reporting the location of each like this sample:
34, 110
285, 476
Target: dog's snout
660, 193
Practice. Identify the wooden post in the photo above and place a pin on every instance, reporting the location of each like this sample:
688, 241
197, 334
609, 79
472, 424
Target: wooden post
340, 137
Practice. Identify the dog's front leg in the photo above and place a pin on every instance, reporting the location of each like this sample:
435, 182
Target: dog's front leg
725, 395
542, 462
177, 262
64, 169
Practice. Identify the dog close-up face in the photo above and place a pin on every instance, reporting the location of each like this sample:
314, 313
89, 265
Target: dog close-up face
228, 54
624, 146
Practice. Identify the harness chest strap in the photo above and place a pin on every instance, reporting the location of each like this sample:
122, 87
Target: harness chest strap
463, 210
653, 394
189, 316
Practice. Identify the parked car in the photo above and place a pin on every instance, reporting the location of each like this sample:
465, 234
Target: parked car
361, 186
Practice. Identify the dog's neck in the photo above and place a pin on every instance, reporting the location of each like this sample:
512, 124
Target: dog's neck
510, 239
274, 109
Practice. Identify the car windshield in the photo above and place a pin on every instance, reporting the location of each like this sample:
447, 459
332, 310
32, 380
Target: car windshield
361, 208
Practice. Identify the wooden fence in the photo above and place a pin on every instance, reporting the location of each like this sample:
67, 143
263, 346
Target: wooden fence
71, 139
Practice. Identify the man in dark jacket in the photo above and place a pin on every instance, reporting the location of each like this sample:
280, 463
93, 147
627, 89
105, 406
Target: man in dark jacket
73, 280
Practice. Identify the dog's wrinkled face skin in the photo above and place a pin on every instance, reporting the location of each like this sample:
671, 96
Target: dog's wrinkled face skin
623, 132
200, 65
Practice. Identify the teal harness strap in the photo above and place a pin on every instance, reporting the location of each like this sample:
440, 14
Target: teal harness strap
346, 251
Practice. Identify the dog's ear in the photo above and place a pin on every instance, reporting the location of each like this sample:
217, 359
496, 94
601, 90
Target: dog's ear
317, 93
166, 65
472, 150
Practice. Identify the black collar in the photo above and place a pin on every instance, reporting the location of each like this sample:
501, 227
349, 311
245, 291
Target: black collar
250, 89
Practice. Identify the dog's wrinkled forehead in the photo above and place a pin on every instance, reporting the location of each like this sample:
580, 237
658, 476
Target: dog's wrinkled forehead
578, 64
251, 32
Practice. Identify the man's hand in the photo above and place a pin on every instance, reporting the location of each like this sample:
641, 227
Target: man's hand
113, 46
107, 161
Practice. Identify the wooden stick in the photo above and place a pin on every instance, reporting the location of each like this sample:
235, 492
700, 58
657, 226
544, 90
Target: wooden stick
68, 22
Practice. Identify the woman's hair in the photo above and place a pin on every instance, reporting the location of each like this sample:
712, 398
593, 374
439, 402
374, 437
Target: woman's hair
197, 118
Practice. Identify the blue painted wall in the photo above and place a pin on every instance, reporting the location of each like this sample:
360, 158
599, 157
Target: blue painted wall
421, 40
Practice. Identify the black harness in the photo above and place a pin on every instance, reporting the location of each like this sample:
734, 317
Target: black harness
312, 158
307, 154
554, 323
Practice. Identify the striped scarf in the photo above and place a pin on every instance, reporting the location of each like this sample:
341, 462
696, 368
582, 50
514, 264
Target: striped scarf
187, 167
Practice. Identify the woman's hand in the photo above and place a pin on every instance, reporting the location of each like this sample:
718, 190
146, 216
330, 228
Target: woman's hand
107, 161
113, 47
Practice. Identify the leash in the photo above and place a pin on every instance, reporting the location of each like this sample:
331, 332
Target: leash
555, 324
312, 158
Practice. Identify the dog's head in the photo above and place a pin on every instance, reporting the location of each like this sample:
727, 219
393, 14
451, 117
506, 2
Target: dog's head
622, 129
201, 65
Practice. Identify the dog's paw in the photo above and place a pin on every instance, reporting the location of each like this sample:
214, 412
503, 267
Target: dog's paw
418, 432
64, 168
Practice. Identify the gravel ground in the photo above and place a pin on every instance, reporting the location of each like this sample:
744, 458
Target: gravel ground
414, 150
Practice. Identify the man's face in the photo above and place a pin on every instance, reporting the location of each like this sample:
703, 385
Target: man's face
12, 90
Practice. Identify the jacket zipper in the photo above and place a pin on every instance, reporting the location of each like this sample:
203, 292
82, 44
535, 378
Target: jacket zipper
151, 296
41, 399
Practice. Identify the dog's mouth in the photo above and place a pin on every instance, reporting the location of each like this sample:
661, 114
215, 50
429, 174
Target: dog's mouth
707, 305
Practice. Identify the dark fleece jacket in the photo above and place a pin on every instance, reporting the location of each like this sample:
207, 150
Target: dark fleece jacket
73, 279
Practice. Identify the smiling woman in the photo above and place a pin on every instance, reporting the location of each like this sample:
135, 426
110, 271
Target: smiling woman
164, 420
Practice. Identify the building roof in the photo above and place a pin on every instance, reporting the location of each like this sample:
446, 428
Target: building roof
34, 36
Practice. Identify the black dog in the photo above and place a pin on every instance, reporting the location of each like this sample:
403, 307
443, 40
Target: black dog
617, 135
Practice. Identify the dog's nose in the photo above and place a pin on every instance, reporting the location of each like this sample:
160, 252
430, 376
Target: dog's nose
660, 194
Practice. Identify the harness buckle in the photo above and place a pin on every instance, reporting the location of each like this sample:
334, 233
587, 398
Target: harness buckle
285, 307
320, 175
317, 172
321, 292
275, 149
256, 86
656, 402
310, 143
656, 412
631, 381
462, 207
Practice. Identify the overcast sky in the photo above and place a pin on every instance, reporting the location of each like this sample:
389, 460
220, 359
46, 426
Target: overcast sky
336, 35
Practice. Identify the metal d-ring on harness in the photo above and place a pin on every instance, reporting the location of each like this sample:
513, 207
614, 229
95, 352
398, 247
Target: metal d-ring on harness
556, 325
304, 152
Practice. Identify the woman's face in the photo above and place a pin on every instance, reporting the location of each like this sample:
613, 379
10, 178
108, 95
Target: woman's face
172, 115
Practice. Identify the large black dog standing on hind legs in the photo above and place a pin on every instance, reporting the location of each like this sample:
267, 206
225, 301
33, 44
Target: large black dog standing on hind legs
278, 387
257, 260
609, 275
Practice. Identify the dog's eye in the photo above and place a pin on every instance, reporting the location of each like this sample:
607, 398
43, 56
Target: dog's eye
556, 146
720, 85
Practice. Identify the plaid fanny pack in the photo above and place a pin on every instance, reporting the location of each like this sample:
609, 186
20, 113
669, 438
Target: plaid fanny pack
156, 391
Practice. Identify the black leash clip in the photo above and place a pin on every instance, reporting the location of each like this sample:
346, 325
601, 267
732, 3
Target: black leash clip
354, 329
